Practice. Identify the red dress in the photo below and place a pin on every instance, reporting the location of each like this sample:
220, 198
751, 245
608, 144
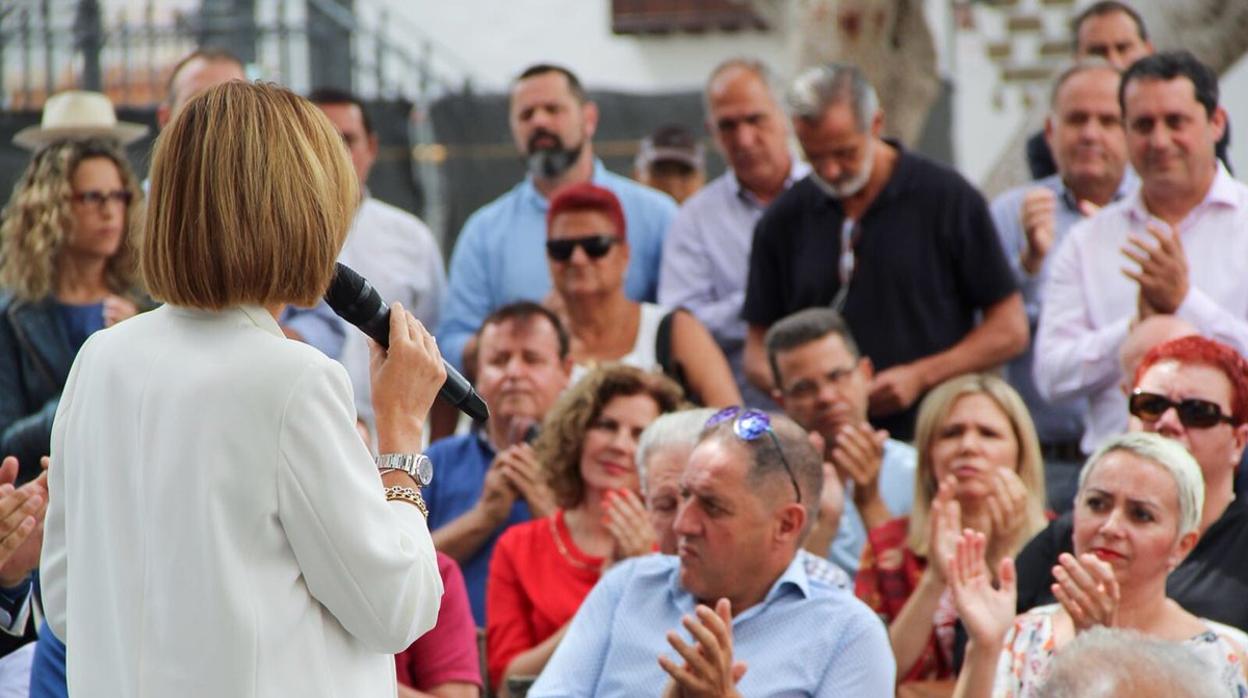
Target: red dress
887, 576
538, 578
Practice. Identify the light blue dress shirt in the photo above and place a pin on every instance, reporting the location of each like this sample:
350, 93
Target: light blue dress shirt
1062, 421
500, 256
807, 637
318, 325
706, 263
896, 489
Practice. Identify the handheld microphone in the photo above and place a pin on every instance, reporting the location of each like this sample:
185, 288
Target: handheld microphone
356, 301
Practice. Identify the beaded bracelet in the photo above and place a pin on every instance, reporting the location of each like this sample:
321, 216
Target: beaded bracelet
409, 495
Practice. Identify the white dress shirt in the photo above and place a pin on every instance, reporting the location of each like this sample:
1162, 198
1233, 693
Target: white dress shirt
399, 256
1089, 303
215, 524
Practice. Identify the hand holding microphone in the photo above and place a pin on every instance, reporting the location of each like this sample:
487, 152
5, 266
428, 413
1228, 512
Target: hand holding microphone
405, 380
355, 301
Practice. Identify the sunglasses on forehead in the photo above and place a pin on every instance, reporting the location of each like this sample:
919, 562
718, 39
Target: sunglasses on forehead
1193, 413
595, 246
749, 425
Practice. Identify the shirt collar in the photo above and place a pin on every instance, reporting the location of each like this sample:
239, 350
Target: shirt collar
243, 314
1223, 192
794, 577
1129, 184
529, 192
797, 171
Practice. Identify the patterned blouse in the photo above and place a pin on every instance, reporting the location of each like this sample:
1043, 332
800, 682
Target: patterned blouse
1030, 645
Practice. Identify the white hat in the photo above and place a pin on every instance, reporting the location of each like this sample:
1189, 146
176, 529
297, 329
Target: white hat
78, 114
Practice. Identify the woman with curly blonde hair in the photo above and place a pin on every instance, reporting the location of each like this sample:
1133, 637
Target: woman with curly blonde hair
67, 268
542, 570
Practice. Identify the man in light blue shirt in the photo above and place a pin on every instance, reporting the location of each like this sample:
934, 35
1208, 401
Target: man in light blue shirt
706, 256
1084, 132
822, 382
748, 494
500, 256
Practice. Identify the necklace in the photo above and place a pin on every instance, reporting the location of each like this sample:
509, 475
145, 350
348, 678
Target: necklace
563, 549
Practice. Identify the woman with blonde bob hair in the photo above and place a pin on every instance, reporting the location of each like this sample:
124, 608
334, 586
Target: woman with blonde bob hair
1136, 516
67, 269
543, 569
216, 525
979, 467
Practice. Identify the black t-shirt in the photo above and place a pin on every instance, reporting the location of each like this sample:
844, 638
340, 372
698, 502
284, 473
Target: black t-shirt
1212, 582
927, 257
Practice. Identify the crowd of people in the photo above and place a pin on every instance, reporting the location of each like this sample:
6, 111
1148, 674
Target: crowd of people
831, 423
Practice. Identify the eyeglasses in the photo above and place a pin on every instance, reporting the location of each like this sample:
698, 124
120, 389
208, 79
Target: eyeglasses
97, 198
596, 246
1193, 413
750, 424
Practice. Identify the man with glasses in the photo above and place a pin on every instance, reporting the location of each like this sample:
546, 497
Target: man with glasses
499, 256
903, 247
1174, 247
1193, 390
731, 612
822, 383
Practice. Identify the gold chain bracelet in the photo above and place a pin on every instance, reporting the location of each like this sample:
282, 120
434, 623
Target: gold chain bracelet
409, 495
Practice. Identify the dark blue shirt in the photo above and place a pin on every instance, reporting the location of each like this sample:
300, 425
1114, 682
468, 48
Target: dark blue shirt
47, 672
459, 467
81, 321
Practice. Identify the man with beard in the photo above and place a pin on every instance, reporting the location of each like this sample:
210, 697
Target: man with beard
500, 256
903, 247
489, 478
1084, 130
822, 382
1174, 247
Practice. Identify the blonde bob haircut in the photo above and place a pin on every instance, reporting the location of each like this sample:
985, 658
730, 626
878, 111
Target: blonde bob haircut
933, 412
251, 198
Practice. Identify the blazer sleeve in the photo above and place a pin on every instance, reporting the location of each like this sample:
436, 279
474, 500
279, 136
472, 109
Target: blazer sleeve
370, 562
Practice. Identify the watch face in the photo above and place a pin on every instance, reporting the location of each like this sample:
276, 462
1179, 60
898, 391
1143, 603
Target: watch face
424, 470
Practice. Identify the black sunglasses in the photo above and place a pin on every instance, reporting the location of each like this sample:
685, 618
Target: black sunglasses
1193, 413
750, 424
596, 246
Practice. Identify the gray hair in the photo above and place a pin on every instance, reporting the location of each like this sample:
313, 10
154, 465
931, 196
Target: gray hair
1172, 457
1108, 662
755, 66
682, 428
803, 327
818, 88
1078, 67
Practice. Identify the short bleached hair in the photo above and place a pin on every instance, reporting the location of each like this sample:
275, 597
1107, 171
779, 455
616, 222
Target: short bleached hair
1170, 456
683, 429
251, 198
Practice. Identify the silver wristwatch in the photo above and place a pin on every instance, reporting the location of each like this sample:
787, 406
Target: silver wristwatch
417, 465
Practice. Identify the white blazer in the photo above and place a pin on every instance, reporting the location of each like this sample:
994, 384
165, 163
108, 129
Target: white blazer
216, 527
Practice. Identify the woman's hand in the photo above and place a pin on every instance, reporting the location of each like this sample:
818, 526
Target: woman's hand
630, 527
117, 309
1007, 509
405, 379
944, 529
986, 612
1087, 589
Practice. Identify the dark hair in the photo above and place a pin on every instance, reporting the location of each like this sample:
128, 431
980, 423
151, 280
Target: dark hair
1169, 65
803, 327
586, 196
574, 84
209, 54
524, 312
1102, 8
562, 437
768, 463
335, 95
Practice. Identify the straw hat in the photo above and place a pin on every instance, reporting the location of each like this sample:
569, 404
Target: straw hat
78, 114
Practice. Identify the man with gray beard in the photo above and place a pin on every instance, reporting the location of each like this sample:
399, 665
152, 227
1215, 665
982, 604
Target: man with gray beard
500, 256
903, 247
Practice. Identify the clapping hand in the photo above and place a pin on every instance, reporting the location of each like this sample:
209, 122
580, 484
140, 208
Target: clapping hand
857, 455
1163, 269
1087, 589
709, 670
629, 525
945, 528
21, 522
1007, 505
987, 612
117, 308
1039, 218
521, 469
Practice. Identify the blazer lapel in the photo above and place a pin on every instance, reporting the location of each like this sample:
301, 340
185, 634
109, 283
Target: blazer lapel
39, 328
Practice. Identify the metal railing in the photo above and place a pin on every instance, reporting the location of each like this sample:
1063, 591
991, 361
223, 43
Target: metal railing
109, 45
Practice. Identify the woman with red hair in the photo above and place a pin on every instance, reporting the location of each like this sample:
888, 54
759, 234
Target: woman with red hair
588, 256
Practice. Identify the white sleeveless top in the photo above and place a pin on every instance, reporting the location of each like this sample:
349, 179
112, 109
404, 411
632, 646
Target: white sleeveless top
644, 354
